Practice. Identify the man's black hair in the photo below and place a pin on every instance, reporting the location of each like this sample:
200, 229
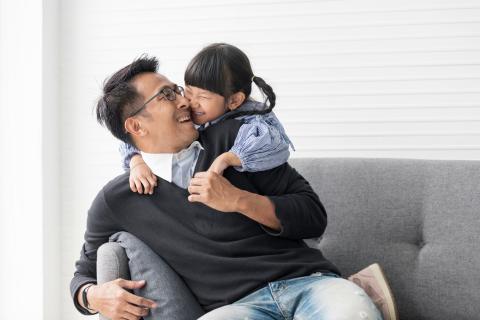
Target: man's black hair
120, 97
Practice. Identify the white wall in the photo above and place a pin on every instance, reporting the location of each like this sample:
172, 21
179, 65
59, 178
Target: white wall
353, 78
53, 289
22, 242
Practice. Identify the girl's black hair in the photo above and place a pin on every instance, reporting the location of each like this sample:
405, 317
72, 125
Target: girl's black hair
224, 69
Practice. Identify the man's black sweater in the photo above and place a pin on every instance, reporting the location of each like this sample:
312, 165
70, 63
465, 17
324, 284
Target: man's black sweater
220, 256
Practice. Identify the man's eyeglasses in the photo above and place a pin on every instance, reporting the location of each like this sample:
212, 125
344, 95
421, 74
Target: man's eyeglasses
169, 93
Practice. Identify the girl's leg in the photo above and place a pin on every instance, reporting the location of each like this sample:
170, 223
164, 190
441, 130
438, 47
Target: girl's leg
163, 285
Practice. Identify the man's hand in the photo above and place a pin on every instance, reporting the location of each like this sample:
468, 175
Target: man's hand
218, 193
113, 301
215, 191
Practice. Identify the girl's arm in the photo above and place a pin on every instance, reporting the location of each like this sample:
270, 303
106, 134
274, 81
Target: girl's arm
261, 144
142, 179
127, 152
223, 161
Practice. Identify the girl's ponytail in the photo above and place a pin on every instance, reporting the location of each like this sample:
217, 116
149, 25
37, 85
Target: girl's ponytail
267, 91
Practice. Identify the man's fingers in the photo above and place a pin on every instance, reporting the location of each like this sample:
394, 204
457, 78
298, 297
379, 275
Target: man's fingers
195, 198
139, 301
129, 284
194, 189
137, 311
203, 174
197, 181
129, 316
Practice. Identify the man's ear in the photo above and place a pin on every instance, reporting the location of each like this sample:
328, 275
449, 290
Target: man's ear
134, 127
235, 100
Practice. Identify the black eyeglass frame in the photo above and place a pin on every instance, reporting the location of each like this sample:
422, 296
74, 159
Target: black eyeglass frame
169, 93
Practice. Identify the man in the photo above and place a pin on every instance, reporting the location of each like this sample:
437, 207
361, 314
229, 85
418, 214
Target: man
236, 241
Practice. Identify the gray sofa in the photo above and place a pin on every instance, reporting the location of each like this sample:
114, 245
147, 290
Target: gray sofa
420, 219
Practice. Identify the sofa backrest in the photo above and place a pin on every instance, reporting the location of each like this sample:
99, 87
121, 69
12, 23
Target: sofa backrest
420, 219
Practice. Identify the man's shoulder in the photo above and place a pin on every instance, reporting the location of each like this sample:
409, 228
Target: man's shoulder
117, 188
117, 182
112, 193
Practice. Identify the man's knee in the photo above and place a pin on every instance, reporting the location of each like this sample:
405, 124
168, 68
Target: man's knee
342, 300
231, 312
353, 309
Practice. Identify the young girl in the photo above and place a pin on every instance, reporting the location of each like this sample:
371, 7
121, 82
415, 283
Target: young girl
218, 83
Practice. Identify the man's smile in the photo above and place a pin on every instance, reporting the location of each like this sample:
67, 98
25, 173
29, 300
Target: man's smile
184, 117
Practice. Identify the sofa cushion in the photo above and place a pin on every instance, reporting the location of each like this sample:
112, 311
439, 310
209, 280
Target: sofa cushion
420, 219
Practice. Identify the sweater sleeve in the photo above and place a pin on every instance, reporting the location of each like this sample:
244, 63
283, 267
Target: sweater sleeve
297, 206
127, 151
260, 145
100, 226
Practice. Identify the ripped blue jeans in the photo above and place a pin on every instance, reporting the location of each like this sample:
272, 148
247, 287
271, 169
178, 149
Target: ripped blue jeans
318, 296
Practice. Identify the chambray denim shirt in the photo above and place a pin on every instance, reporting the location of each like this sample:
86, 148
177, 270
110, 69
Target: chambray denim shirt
261, 143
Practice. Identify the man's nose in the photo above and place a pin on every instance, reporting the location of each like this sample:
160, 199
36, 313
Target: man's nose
193, 103
182, 102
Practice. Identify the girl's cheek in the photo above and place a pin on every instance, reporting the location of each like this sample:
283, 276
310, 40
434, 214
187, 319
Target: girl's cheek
205, 108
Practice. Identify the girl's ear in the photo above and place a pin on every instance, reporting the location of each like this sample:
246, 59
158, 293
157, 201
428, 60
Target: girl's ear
235, 100
134, 127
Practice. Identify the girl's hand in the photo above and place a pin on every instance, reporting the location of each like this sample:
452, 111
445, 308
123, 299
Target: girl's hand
142, 179
224, 161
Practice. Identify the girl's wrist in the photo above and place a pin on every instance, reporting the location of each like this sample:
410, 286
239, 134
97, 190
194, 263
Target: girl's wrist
232, 159
136, 160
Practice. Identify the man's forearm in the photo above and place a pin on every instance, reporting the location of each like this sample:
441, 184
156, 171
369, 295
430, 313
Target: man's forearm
258, 208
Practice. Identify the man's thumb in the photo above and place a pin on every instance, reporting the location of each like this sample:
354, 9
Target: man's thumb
128, 284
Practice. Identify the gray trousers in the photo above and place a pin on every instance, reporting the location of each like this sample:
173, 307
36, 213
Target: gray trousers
127, 257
